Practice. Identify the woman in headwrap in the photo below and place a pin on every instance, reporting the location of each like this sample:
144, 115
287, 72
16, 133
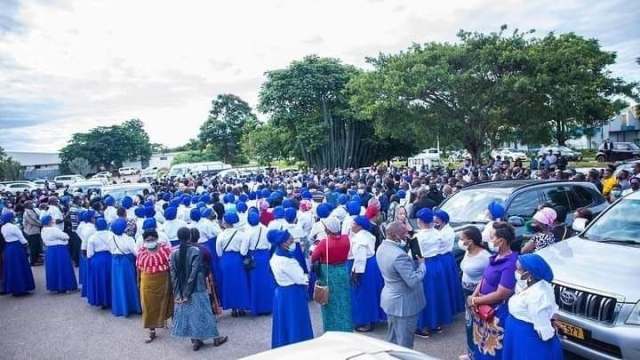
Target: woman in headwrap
331, 255
85, 230
172, 225
60, 274
124, 287
261, 282
495, 212
528, 332
110, 212
17, 275
155, 289
232, 246
192, 316
542, 225
449, 265
99, 269
291, 319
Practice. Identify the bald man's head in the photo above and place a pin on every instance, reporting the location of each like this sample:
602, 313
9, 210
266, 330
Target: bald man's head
396, 231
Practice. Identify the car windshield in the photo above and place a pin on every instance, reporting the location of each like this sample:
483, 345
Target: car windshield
616, 225
121, 193
470, 206
633, 146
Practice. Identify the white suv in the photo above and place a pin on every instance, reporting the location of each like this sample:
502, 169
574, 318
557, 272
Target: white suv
66, 180
126, 171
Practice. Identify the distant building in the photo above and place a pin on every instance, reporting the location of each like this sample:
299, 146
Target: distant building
157, 160
37, 165
623, 127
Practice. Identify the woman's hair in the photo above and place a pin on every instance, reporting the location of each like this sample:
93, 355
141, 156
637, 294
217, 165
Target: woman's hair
585, 213
150, 233
505, 231
184, 235
122, 212
474, 234
561, 212
195, 235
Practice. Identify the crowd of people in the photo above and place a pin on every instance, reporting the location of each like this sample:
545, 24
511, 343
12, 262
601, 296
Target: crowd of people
371, 246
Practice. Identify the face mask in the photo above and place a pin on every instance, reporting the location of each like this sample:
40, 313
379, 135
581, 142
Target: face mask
462, 245
579, 224
292, 247
521, 284
361, 191
150, 244
492, 246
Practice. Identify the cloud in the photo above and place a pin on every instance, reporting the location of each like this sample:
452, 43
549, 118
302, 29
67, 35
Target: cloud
69, 66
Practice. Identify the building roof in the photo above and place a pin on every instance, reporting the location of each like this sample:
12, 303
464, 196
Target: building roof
34, 158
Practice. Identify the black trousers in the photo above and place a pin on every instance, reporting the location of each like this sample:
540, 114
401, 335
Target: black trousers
74, 247
35, 247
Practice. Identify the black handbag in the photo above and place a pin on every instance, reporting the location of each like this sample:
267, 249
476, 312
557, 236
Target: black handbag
248, 261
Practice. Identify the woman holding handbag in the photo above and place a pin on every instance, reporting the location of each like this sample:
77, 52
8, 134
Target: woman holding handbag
333, 278
489, 300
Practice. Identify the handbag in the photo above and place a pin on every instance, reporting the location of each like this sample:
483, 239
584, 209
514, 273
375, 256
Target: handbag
321, 292
248, 261
485, 312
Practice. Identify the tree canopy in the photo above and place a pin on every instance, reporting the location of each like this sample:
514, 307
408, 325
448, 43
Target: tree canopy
9, 168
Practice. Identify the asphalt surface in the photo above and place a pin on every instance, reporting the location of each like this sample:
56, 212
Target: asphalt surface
52, 326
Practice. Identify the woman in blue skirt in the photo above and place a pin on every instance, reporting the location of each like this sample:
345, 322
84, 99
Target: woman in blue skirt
528, 332
261, 282
209, 228
232, 246
366, 283
60, 274
449, 265
192, 316
125, 298
85, 230
99, 269
291, 319
172, 225
18, 278
437, 311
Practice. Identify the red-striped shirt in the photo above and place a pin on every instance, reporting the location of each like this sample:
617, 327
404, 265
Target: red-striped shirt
152, 262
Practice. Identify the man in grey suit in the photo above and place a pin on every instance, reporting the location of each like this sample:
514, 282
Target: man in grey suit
402, 297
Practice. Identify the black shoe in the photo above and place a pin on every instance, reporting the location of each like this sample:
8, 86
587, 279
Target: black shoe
242, 313
234, 313
197, 344
423, 334
220, 340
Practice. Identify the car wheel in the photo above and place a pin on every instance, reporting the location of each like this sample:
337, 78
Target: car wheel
600, 158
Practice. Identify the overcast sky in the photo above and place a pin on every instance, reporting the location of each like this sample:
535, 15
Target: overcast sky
70, 65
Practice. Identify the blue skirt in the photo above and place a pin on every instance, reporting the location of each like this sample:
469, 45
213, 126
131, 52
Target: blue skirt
452, 273
84, 274
521, 342
299, 256
312, 284
18, 278
261, 284
291, 319
488, 336
60, 274
125, 297
235, 283
194, 319
174, 244
99, 279
215, 266
437, 311
366, 296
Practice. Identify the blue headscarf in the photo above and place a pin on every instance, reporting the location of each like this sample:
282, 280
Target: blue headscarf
231, 218
7, 217
241, 206
278, 237
46, 220
101, 224
323, 210
278, 212
343, 199
442, 215
253, 218
353, 207
290, 215
170, 213
287, 203
127, 202
149, 224
139, 211
149, 212
426, 215
109, 201
496, 210
195, 214
118, 226
363, 222
206, 212
535, 265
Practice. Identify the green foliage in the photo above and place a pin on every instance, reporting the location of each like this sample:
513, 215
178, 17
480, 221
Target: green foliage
230, 117
192, 156
266, 144
80, 166
109, 146
9, 168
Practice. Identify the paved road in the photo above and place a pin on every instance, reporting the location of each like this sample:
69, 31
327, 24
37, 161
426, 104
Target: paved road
52, 326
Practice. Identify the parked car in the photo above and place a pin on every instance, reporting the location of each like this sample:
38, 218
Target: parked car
334, 345
19, 187
629, 165
119, 191
63, 181
596, 284
127, 171
621, 151
41, 183
82, 187
102, 177
569, 153
509, 154
521, 199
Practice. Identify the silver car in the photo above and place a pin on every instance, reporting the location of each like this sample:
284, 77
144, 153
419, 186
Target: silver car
597, 284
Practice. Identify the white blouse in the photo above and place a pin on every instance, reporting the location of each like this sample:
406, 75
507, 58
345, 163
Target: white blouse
473, 267
84, 231
12, 233
100, 241
171, 228
287, 271
207, 229
239, 242
258, 235
447, 238
110, 214
305, 219
536, 305
363, 246
429, 242
52, 236
346, 225
123, 245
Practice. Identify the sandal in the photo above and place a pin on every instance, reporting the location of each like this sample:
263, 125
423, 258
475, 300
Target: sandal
152, 336
220, 340
364, 329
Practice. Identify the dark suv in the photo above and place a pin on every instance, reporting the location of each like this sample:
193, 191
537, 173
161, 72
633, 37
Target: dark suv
620, 151
521, 199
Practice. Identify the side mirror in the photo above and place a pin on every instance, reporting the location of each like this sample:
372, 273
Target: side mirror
516, 221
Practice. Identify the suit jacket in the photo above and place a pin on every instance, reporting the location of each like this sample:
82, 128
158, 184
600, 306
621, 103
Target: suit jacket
30, 222
402, 294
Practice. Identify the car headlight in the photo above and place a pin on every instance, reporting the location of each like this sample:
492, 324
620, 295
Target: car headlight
634, 317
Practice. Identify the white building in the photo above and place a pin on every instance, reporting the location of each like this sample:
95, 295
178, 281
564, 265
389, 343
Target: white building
37, 165
157, 160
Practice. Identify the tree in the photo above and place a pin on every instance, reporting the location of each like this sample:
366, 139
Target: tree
266, 144
80, 166
307, 100
109, 146
9, 168
192, 156
230, 117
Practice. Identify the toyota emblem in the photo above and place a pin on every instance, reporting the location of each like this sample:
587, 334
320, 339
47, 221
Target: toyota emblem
568, 297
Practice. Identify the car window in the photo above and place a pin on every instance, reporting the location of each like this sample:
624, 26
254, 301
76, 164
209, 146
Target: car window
619, 146
558, 196
580, 197
616, 224
524, 204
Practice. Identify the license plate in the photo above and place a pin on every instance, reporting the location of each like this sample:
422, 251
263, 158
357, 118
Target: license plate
570, 330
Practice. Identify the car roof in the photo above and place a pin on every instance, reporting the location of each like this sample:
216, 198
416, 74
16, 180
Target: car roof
520, 184
126, 186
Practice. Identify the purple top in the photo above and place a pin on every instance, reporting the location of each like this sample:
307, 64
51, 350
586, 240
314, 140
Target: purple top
499, 272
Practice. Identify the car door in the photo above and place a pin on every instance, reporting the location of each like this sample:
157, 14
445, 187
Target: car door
524, 205
558, 195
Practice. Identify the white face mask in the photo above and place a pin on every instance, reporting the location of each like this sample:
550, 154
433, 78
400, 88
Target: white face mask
150, 244
462, 245
492, 247
521, 284
579, 224
292, 247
